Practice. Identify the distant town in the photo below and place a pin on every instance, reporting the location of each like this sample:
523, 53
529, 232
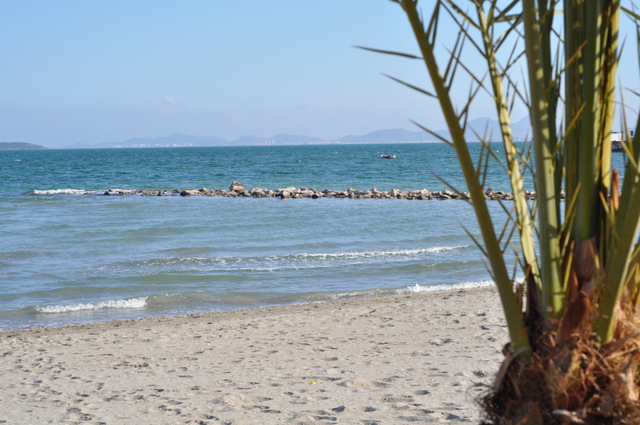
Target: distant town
483, 126
376, 137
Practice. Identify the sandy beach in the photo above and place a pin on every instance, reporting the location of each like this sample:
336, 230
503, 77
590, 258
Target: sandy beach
406, 358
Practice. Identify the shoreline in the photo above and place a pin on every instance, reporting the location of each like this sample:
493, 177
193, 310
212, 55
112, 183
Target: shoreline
389, 359
58, 314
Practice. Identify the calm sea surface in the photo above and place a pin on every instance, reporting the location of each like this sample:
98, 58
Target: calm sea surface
68, 257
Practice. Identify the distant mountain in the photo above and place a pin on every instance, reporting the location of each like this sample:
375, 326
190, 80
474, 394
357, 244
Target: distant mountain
278, 139
485, 127
173, 141
291, 139
390, 136
475, 129
481, 127
18, 146
522, 129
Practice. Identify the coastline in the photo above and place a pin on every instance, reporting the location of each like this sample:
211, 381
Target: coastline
391, 359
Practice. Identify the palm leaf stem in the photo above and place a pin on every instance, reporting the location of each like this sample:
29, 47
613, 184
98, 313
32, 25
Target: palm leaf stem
513, 313
553, 297
517, 181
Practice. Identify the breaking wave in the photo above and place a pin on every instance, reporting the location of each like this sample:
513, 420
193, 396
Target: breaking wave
384, 253
271, 263
133, 303
416, 289
73, 192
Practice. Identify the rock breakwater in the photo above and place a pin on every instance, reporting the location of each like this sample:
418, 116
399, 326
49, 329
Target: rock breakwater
237, 189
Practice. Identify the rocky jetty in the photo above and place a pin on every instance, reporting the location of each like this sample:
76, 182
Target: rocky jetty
237, 189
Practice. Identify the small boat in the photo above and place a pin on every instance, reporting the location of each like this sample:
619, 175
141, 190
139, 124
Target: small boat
387, 156
616, 146
616, 141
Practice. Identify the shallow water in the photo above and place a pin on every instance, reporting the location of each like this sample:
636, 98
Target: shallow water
66, 257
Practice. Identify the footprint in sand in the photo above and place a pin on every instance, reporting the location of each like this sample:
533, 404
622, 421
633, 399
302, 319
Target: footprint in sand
239, 400
363, 383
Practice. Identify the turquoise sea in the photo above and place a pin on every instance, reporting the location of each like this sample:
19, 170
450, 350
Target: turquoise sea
68, 254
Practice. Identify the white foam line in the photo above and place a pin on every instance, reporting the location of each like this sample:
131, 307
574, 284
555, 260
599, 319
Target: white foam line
133, 303
416, 289
356, 254
60, 192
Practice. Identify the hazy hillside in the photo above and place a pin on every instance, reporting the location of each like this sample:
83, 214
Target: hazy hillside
18, 146
479, 127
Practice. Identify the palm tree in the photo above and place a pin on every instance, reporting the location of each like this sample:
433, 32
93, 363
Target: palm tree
574, 342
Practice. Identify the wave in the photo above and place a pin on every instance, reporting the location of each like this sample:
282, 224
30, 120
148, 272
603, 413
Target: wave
132, 303
416, 289
271, 263
18, 254
73, 192
347, 255
384, 253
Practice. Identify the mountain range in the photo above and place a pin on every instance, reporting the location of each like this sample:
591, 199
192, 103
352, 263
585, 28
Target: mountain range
480, 126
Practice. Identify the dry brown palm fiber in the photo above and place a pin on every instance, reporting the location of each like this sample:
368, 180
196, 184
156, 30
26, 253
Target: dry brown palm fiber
601, 385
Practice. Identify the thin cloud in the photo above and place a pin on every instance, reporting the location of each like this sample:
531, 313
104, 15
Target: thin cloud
170, 100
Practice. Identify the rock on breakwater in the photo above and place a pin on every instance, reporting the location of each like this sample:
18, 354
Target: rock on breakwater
237, 189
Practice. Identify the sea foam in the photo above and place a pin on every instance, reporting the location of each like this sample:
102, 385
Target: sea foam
416, 289
133, 303
60, 192
273, 263
383, 253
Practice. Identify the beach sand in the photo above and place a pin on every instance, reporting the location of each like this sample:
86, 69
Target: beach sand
390, 360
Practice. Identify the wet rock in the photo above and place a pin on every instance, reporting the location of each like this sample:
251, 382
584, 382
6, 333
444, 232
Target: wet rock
238, 190
258, 192
119, 192
490, 194
236, 186
283, 194
307, 193
395, 193
423, 194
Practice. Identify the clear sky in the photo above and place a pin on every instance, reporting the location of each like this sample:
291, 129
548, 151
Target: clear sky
78, 71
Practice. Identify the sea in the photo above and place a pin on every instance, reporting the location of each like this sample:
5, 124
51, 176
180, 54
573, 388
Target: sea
69, 254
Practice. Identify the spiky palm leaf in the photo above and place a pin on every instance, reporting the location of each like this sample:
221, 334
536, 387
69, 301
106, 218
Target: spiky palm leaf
573, 347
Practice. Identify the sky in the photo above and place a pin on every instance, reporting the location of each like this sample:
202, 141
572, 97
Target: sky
77, 71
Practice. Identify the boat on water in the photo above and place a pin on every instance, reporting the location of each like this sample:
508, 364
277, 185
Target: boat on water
387, 156
616, 141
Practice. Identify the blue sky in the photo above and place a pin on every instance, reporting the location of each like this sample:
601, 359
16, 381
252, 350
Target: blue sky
105, 71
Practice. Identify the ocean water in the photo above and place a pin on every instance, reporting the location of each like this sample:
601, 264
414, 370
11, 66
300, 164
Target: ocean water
70, 255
